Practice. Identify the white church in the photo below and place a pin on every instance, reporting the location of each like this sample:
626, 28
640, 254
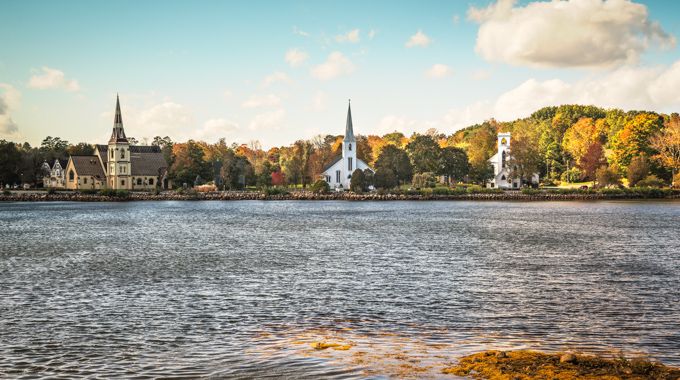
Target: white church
501, 171
338, 173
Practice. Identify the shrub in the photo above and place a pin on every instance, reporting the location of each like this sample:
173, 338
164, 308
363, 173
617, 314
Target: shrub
179, 191
6, 191
121, 193
611, 191
441, 191
83, 191
193, 192
383, 191
608, 176
637, 170
651, 180
51, 190
530, 191
105, 191
156, 190
321, 187
276, 190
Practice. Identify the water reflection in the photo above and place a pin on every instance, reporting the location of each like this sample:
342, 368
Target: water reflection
187, 289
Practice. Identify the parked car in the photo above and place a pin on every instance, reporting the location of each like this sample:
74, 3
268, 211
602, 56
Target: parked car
584, 187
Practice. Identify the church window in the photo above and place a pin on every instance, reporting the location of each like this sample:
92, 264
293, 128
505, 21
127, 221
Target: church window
503, 159
503, 177
514, 184
111, 153
504, 141
122, 153
150, 181
350, 147
85, 180
492, 184
337, 176
349, 164
139, 181
71, 175
122, 182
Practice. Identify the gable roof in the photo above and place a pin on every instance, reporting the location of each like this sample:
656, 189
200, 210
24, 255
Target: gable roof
149, 164
88, 165
335, 161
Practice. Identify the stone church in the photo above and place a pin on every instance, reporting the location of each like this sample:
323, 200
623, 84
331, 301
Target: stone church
338, 173
118, 165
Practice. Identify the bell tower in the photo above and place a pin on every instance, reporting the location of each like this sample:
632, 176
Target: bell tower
118, 170
503, 146
349, 150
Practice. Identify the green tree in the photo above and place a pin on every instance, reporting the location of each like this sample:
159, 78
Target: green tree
358, 181
384, 179
321, 187
397, 161
633, 139
453, 163
423, 152
481, 172
235, 170
368, 178
10, 163
263, 176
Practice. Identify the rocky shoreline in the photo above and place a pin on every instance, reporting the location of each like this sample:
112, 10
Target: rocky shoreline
306, 195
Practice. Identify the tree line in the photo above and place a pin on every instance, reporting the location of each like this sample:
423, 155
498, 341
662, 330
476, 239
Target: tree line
566, 143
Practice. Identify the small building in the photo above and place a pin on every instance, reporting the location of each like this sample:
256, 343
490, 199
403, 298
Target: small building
338, 173
502, 172
118, 165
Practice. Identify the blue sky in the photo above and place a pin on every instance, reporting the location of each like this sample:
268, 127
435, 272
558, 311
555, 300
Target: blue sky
278, 71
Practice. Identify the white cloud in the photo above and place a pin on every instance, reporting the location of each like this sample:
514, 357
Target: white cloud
277, 76
296, 31
351, 36
391, 123
228, 96
10, 100
51, 78
214, 129
336, 65
480, 74
320, 100
268, 121
164, 118
418, 39
372, 34
438, 71
257, 101
586, 34
456, 18
296, 58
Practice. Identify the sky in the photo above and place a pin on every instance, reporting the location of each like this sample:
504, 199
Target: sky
280, 71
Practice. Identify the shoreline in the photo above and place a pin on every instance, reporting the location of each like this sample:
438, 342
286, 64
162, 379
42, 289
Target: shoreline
309, 196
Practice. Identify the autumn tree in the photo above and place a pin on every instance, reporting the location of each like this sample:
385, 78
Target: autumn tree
638, 169
633, 139
591, 160
524, 159
667, 145
236, 170
189, 162
482, 146
608, 176
583, 134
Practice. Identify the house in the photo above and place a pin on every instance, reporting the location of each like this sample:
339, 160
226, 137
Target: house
118, 165
55, 173
338, 173
502, 172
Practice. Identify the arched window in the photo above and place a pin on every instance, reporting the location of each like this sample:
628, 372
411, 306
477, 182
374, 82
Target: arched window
122, 182
503, 159
504, 141
111, 153
71, 175
350, 146
122, 153
150, 181
503, 177
139, 181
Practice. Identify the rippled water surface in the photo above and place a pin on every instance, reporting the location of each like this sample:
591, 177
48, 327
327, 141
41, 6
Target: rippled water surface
221, 289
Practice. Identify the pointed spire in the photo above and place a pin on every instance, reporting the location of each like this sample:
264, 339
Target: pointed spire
349, 130
118, 134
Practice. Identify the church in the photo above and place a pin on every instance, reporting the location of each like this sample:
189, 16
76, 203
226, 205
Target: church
501, 171
118, 165
338, 173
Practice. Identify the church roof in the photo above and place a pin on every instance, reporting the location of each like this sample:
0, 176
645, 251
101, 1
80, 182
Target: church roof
349, 129
88, 165
149, 164
330, 164
118, 134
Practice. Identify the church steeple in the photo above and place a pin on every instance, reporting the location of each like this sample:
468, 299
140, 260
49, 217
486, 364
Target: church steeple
349, 131
118, 134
